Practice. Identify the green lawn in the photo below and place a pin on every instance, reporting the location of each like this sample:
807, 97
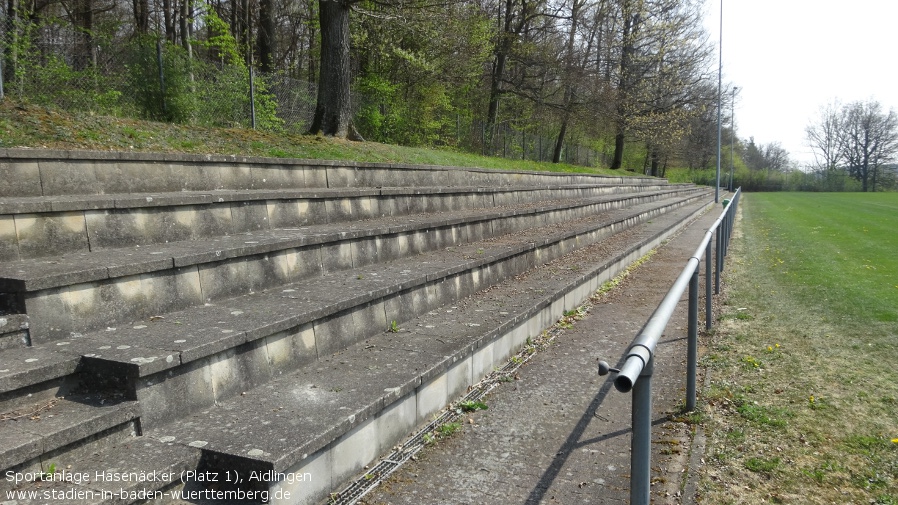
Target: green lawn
803, 366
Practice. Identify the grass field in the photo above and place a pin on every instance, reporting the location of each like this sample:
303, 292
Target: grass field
802, 402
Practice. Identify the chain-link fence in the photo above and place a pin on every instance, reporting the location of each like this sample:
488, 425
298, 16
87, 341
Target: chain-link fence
53, 64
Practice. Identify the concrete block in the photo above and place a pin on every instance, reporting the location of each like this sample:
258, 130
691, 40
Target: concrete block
432, 396
122, 228
396, 422
341, 177
49, 319
336, 256
239, 369
307, 482
131, 177
315, 177
166, 291
19, 178
65, 177
41, 235
170, 395
365, 207
354, 450
332, 334
235, 176
365, 252
388, 247
249, 216
299, 212
339, 210
197, 176
224, 279
368, 320
290, 349
9, 247
459, 377
296, 264
482, 361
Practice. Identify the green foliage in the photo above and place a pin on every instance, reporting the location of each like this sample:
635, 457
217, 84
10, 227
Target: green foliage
45, 78
196, 91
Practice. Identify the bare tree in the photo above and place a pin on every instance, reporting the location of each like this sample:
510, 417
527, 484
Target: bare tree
823, 137
869, 140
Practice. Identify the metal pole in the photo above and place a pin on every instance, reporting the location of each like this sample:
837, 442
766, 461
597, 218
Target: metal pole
252, 95
708, 283
732, 136
161, 74
641, 443
717, 260
692, 348
719, 91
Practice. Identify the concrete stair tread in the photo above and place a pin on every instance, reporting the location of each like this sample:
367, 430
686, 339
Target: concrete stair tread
67, 203
140, 464
51, 424
26, 366
303, 411
176, 338
73, 268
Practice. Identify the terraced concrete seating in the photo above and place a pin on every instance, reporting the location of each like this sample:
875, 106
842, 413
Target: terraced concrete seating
178, 313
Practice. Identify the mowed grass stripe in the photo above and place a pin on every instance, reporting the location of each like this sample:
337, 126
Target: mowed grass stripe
835, 249
802, 401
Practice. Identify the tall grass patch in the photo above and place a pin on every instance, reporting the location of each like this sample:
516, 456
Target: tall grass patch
803, 361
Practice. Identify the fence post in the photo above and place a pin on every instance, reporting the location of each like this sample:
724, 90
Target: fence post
718, 260
641, 444
708, 315
252, 95
692, 347
161, 74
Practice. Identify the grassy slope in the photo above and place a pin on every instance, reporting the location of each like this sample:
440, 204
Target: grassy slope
803, 401
39, 127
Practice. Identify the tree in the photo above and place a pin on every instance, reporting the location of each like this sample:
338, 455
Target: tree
823, 137
868, 140
333, 111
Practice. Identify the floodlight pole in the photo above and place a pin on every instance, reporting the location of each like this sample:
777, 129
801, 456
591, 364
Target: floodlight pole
719, 91
732, 136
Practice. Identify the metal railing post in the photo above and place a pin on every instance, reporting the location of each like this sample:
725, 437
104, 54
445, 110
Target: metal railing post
718, 260
708, 314
641, 445
692, 347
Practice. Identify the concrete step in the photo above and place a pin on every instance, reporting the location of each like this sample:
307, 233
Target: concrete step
322, 424
82, 292
190, 359
34, 227
130, 470
33, 436
26, 172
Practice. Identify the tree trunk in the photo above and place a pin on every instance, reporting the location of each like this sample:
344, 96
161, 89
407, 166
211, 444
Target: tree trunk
83, 13
266, 35
142, 16
333, 112
618, 158
559, 142
168, 15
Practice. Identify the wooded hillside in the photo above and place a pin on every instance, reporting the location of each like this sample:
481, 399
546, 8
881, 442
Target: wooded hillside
619, 83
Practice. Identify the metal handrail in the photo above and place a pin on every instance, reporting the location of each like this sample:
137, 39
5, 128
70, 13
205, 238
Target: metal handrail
636, 372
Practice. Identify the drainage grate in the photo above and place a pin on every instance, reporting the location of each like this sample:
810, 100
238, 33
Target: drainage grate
357, 489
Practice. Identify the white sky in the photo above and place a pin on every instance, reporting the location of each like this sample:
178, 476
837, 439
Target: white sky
790, 57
